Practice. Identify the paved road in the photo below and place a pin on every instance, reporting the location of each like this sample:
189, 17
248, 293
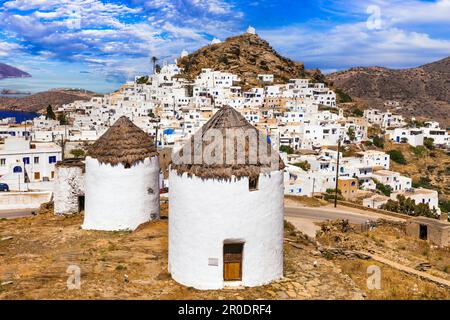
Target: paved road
17, 213
323, 214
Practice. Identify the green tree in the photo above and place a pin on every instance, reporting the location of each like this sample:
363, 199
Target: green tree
62, 118
77, 153
342, 97
428, 143
304, 165
351, 134
142, 80
50, 114
378, 142
397, 156
287, 149
383, 188
357, 112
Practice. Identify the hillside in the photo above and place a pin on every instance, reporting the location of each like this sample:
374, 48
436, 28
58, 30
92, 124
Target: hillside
7, 71
423, 92
246, 55
41, 100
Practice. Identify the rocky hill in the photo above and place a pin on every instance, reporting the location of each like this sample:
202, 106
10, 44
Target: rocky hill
41, 100
7, 71
423, 92
246, 55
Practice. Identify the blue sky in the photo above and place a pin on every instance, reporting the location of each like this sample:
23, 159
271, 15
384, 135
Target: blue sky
112, 40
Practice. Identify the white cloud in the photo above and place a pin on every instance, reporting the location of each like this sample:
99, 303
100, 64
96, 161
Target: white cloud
8, 48
349, 45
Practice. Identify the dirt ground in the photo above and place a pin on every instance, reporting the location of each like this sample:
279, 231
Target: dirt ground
389, 241
36, 252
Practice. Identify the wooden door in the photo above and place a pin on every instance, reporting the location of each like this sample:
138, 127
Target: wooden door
232, 261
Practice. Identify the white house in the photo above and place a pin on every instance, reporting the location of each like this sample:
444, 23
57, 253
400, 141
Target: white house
393, 179
421, 195
411, 136
26, 165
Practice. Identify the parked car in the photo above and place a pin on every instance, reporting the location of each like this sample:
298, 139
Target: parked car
4, 187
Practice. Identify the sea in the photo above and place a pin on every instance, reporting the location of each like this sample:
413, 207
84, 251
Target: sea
19, 115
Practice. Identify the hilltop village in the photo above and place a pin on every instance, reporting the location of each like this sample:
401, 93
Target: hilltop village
113, 159
302, 119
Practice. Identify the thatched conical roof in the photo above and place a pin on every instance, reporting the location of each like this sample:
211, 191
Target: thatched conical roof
123, 143
235, 132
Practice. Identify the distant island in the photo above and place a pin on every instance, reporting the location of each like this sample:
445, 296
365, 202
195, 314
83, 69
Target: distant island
7, 71
39, 101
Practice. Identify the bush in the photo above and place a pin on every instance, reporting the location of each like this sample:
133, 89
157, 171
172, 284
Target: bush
304, 165
342, 97
428, 143
423, 182
287, 149
368, 143
142, 80
385, 189
77, 153
419, 151
357, 112
444, 205
378, 142
408, 206
397, 156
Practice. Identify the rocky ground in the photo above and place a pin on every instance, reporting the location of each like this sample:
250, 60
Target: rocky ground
388, 240
36, 252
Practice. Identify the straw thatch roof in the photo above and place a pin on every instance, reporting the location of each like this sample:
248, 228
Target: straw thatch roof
123, 143
235, 131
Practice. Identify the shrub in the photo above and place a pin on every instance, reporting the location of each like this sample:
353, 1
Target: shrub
397, 156
357, 112
77, 153
287, 149
342, 97
444, 205
142, 80
368, 143
378, 142
428, 143
408, 206
419, 151
423, 182
385, 189
304, 165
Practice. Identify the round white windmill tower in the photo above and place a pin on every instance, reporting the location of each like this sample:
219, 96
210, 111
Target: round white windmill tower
121, 179
226, 216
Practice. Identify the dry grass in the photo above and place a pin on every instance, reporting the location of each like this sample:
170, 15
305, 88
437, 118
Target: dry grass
395, 285
123, 143
305, 201
237, 132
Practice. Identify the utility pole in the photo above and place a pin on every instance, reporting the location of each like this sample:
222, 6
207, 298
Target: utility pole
314, 182
337, 174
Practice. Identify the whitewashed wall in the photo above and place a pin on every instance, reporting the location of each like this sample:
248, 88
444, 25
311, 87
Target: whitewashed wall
205, 213
69, 184
121, 199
